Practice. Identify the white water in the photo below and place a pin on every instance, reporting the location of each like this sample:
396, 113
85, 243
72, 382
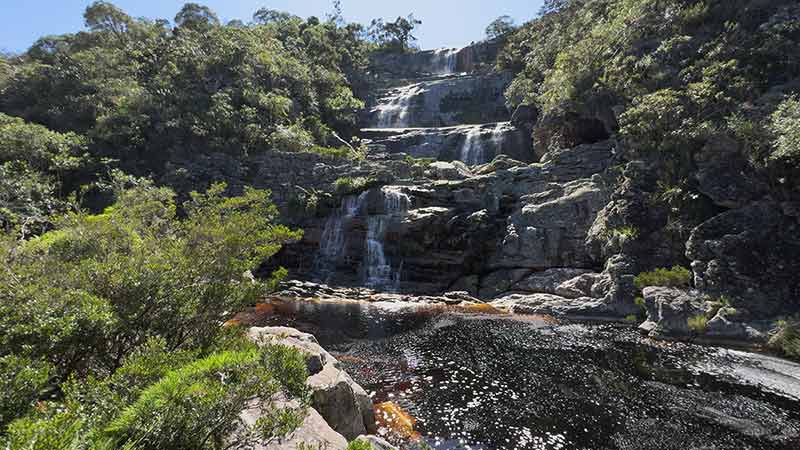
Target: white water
332, 242
445, 61
472, 151
394, 113
378, 270
478, 140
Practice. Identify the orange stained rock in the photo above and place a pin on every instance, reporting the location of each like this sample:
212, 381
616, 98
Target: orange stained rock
481, 308
265, 308
232, 323
390, 416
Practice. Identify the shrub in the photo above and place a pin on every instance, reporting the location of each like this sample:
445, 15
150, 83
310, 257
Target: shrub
677, 277
21, 384
786, 127
196, 406
359, 444
698, 324
631, 318
786, 338
350, 185
89, 293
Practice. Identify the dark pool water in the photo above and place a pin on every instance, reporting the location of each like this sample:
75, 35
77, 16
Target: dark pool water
475, 381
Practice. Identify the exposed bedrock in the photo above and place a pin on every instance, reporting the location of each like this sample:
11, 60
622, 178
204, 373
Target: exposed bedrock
471, 144
440, 102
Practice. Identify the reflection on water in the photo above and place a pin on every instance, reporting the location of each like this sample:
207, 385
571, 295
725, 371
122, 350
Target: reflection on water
454, 379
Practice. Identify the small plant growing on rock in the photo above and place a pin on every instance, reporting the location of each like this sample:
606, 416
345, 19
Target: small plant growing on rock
786, 338
349, 185
676, 277
359, 444
698, 324
631, 318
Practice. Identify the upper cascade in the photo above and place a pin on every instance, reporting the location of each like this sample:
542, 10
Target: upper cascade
445, 104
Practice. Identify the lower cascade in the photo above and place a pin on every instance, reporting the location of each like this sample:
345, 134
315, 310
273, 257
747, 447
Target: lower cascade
376, 269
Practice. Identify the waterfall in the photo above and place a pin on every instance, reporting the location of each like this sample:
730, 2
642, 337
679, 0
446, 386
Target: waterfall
332, 241
394, 112
472, 151
499, 137
445, 61
378, 270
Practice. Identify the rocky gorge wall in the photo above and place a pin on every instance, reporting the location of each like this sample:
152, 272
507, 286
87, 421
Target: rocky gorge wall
538, 215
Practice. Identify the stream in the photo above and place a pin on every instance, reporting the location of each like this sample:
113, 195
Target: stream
475, 378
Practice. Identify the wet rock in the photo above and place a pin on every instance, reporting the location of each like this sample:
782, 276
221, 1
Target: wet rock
548, 281
472, 144
525, 116
442, 101
555, 305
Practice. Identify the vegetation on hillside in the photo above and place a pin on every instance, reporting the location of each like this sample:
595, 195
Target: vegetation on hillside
669, 78
110, 324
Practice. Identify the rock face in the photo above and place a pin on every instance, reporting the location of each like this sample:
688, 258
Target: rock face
470, 144
750, 254
441, 102
540, 212
343, 404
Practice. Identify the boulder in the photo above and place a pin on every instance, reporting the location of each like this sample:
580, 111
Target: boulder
343, 404
442, 170
313, 431
669, 311
751, 256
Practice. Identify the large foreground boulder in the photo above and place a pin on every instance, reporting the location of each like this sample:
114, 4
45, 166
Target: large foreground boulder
343, 404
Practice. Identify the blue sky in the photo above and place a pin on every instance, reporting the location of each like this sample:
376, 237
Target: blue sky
446, 23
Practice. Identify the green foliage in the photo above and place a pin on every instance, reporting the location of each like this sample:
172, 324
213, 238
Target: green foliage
22, 382
87, 294
359, 444
632, 318
675, 277
785, 124
698, 324
626, 232
500, 27
153, 98
786, 338
682, 74
395, 36
350, 185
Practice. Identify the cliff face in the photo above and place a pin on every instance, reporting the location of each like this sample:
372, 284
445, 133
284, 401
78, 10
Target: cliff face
541, 215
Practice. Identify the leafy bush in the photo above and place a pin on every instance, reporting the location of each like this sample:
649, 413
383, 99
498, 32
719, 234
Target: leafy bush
22, 382
675, 277
350, 185
698, 324
786, 338
786, 127
87, 294
359, 444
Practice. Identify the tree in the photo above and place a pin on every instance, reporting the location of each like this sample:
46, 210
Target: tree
196, 17
395, 35
266, 16
104, 16
500, 27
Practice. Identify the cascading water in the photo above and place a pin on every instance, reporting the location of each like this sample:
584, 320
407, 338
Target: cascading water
394, 113
472, 151
332, 242
378, 271
445, 61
